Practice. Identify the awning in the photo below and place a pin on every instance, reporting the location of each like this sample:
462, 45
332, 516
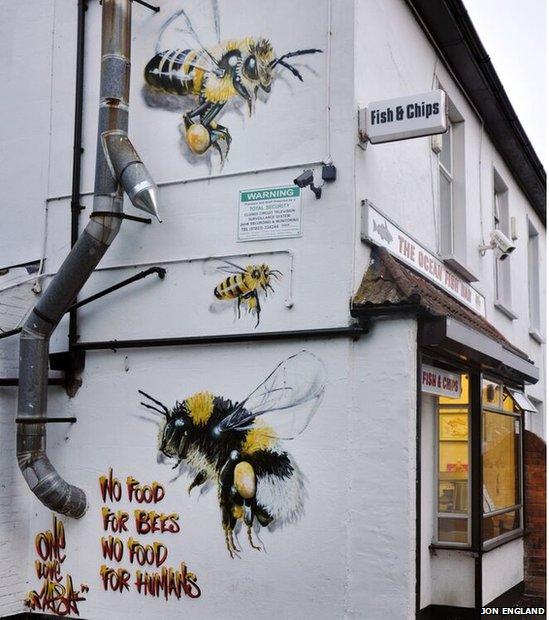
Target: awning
522, 401
388, 286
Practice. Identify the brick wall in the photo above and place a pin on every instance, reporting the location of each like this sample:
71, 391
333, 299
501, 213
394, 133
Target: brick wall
535, 495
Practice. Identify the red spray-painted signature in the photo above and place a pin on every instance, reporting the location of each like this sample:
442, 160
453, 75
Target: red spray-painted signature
57, 595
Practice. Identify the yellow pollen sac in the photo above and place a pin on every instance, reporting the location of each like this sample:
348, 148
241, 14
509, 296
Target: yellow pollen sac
200, 407
244, 480
238, 512
198, 138
260, 437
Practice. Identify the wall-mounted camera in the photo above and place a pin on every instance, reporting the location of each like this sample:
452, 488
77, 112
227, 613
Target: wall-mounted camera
306, 179
500, 243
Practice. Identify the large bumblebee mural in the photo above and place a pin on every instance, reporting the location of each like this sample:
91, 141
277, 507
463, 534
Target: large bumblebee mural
244, 286
238, 445
215, 75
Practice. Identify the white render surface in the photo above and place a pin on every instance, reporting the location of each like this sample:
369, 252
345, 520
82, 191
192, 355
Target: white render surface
353, 553
502, 568
392, 58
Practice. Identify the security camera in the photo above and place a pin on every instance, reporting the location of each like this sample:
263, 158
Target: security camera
306, 179
499, 242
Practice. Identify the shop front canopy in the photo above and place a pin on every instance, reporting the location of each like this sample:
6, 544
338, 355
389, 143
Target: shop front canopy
447, 326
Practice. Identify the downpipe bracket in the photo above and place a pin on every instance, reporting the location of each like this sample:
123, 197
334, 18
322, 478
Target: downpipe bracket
40, 420
123, 216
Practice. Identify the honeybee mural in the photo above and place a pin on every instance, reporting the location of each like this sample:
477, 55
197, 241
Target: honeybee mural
215, 74
239, 445
244, 285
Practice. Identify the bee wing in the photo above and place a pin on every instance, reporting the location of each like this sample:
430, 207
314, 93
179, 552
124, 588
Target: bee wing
179, 31
215, 265
286, 400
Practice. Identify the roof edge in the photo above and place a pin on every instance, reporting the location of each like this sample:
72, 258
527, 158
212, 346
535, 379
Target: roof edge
456, 40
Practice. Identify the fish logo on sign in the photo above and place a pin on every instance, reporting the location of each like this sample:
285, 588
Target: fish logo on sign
383, 231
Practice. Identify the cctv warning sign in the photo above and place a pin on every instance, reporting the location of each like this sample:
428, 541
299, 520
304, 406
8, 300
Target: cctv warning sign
269, 213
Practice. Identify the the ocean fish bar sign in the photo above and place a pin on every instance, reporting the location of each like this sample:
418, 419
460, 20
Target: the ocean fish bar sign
379, 230
405, 117
269, 213
440, 382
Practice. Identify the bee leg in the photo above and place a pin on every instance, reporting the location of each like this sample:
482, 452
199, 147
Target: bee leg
220, 151
258, 307
245, 94
200, 479
219, 133
235, 548
248, 517
238, 301
229, 542
250, 539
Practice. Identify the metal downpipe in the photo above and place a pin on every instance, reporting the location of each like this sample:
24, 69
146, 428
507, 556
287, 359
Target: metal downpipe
43, 479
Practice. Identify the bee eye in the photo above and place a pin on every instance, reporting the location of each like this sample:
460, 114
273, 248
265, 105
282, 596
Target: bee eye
250, 67
179, 423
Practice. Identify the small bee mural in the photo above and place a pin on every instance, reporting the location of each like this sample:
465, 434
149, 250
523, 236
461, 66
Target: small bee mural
244, 284
238, 446
216, 75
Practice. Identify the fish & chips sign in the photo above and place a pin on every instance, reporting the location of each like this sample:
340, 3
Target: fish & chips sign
403, 118
440, 382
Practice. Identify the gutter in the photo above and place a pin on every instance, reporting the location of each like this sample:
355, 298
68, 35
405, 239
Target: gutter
118, 169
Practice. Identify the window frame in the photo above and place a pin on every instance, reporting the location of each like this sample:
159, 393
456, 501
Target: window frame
475, 482
454, 228
491, 543
501, 220
436, 470
534, 284
447, 222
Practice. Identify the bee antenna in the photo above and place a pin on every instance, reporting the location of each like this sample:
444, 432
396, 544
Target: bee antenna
165, 410
277, 61
154, 408
292, 69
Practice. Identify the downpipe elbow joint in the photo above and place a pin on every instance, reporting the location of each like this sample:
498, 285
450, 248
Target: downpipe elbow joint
128, 169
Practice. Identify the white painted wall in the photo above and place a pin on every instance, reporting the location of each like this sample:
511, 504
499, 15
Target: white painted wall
26, 47
501, 571
353, 553
15, 526
393, 58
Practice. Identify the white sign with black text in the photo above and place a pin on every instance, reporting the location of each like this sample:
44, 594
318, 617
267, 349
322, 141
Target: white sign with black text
440, 382
405, 117
379, 230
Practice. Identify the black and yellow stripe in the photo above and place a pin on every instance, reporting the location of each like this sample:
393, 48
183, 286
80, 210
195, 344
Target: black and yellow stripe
233, 287
174, 71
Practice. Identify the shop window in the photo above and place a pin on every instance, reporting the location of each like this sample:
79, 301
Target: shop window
453, 521
502, 268
501, 461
